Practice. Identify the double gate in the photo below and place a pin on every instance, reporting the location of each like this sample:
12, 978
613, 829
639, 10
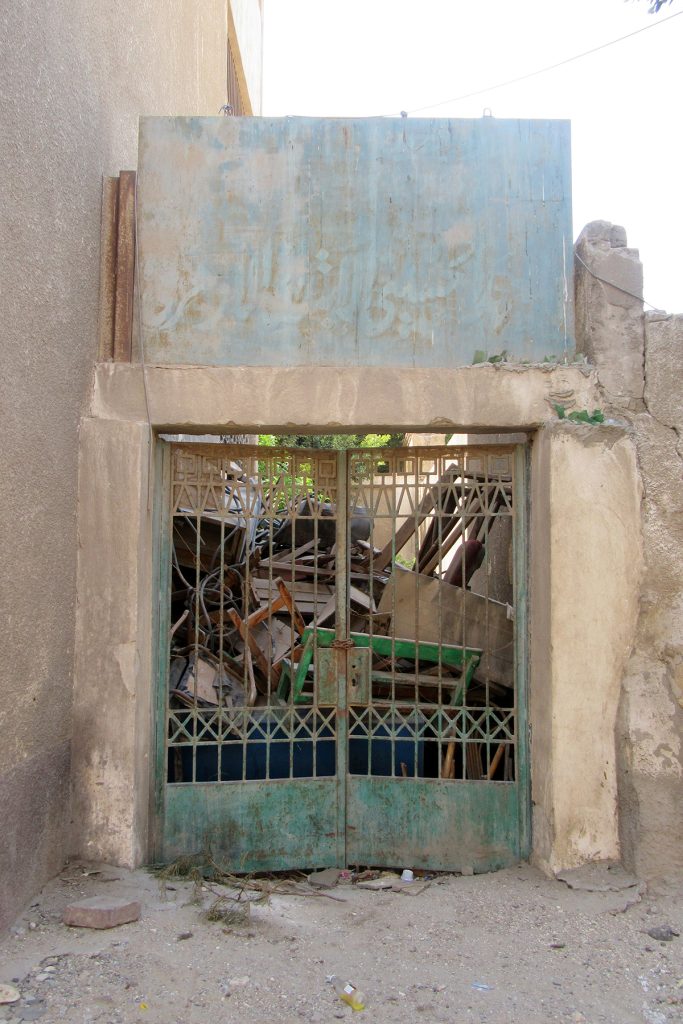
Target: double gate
341, 657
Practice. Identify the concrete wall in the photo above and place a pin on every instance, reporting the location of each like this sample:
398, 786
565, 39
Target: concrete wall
585, 511
585, 574
641, 369
381, 241
74, 76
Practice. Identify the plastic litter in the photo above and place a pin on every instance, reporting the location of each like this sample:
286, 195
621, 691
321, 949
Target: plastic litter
348, 993
407, 875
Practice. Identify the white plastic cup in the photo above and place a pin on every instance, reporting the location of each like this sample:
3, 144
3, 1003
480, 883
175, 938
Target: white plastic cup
407, 875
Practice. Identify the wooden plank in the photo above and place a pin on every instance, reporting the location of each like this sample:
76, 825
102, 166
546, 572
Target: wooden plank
108, 233
125, 269
286, 596
256, 652
297, 587
405, 532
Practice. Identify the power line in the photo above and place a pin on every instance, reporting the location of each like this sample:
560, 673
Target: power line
542, 71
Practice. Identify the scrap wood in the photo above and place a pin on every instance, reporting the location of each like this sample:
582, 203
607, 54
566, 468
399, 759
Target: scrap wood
448, 766
251, 688
283, 601
259, 659
396, 544
495, 761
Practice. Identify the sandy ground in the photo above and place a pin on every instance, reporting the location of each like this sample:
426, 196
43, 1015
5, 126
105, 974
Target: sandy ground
511, 946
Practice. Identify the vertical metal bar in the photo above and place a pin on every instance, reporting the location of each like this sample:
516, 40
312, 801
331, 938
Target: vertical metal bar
520, 514
161, 601
342, 633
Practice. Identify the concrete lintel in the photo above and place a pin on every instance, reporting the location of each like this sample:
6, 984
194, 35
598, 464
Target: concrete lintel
327, 398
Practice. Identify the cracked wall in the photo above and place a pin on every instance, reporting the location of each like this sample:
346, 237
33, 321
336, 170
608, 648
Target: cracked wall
639, 358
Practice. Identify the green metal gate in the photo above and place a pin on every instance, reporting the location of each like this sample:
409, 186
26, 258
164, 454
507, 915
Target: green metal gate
341, 656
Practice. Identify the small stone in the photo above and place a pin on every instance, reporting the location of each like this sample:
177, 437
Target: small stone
32, 926
326, 879
101, 912
183, 936
663, 933
30, 1012
9, 994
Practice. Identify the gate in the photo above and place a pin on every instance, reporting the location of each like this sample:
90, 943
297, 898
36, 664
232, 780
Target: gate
342, 657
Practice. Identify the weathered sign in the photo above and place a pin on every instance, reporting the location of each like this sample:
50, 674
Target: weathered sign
295, 241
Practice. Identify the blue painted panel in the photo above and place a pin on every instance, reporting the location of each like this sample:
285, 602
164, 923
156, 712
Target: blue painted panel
408, 242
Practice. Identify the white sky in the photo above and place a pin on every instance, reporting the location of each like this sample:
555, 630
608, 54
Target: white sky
361, 58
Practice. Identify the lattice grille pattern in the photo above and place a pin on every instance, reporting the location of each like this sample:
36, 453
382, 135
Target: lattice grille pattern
248, 744
267, 624
478, 742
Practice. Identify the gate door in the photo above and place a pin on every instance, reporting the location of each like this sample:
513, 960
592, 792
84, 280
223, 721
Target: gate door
436, 751
339, 674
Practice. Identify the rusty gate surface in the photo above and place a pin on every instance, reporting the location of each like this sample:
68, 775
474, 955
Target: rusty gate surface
341, 647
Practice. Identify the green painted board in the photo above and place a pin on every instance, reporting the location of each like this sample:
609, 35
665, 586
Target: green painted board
430, 823
254, 826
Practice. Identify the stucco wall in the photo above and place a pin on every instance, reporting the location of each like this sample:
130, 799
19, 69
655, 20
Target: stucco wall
586, 568
585, 510
74, 76
640, 360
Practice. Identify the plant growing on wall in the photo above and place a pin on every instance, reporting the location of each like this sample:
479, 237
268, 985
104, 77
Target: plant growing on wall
583, 416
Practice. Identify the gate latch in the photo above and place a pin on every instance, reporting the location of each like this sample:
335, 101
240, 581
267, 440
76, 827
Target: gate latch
358, 661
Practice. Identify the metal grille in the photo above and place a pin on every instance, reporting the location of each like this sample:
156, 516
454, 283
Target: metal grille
253, 570
413, 613
432, 690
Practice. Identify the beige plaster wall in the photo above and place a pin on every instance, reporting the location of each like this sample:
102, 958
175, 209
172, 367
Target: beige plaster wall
74, 76
649, 397
586, 568
577, 656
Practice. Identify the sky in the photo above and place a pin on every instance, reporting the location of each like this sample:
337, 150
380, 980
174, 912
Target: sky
366, 58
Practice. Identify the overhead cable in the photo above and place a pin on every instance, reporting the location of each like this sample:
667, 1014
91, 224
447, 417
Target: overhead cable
541, 71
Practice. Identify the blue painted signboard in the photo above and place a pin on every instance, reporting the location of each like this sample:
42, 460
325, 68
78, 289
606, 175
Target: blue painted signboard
397, 242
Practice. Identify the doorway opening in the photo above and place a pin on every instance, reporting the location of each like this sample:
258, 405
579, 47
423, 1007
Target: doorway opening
343, 680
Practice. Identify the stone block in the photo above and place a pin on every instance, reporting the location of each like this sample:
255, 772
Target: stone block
101, 912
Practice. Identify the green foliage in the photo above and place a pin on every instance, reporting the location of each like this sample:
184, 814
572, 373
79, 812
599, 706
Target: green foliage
276, 471
331, 442
481, 357
595, 417
407, 563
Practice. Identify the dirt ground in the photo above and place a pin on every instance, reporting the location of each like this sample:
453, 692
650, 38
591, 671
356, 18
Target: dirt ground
511, 946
